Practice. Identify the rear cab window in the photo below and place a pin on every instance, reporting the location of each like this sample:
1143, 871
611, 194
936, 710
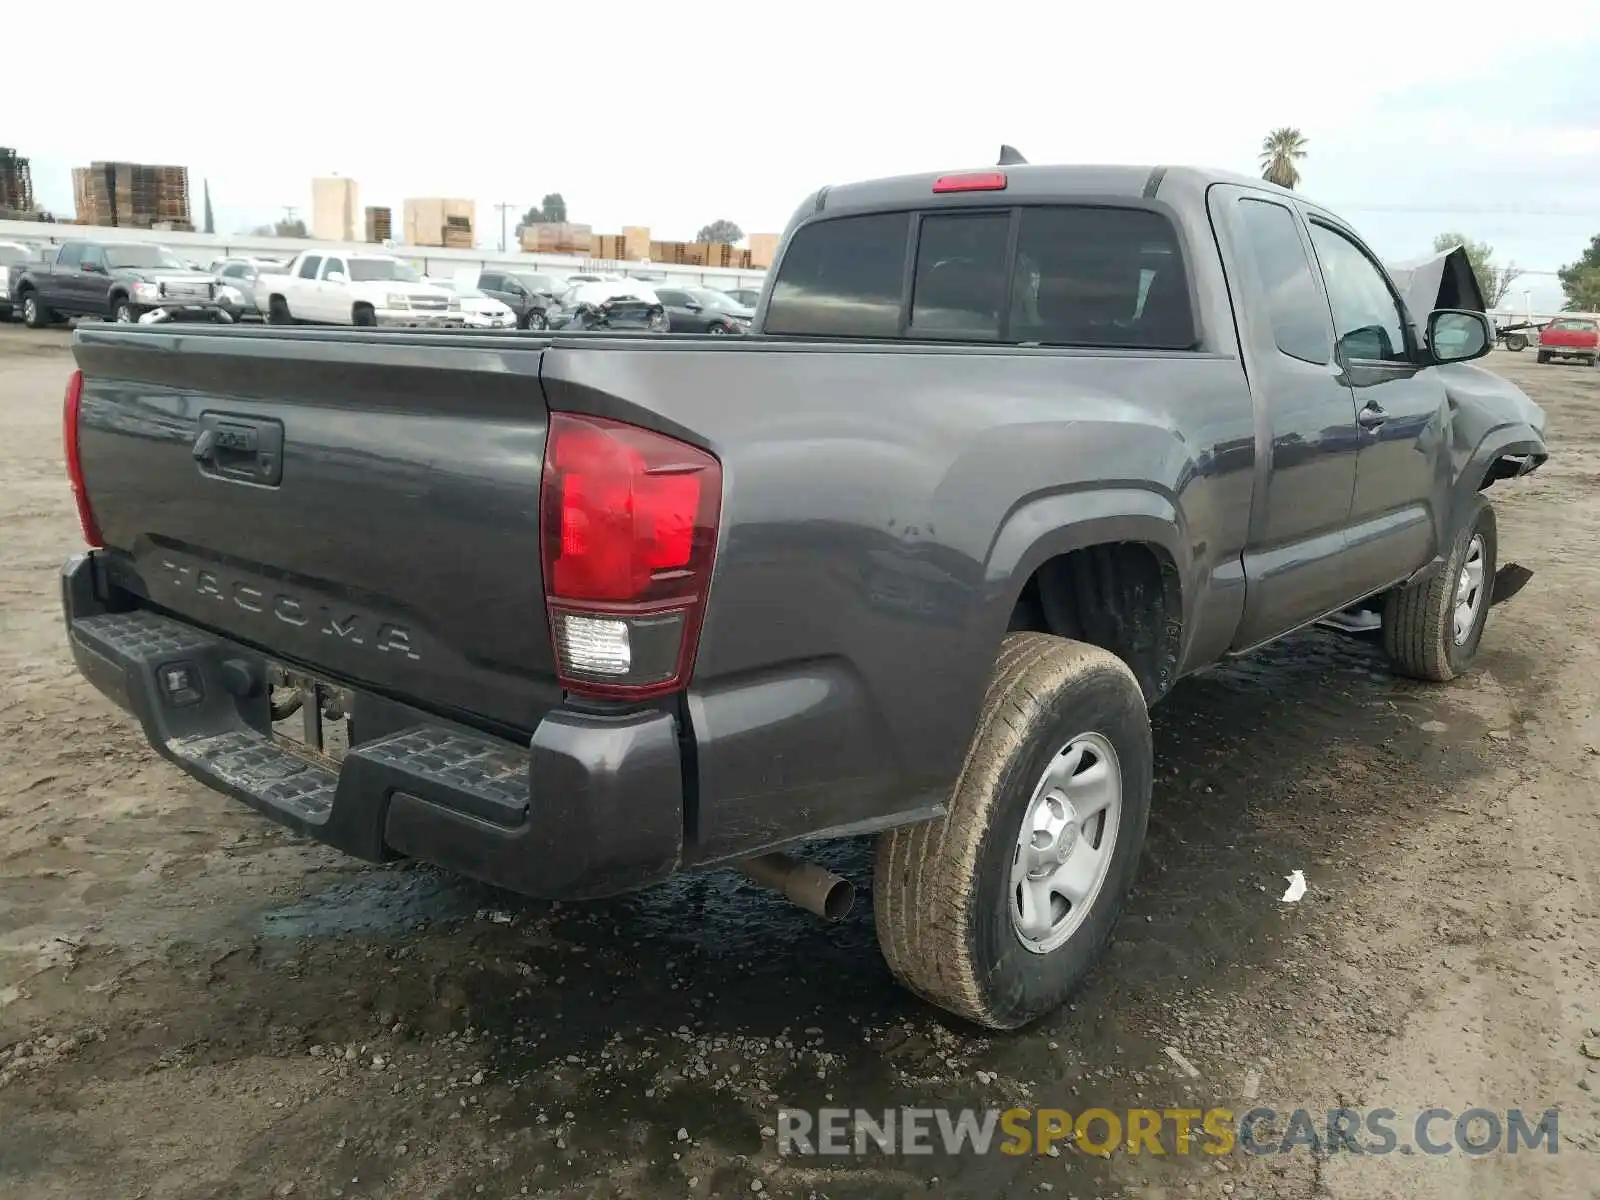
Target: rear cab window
1573, 325
1075, 275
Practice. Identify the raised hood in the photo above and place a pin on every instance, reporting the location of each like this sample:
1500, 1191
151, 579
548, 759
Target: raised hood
1443, 281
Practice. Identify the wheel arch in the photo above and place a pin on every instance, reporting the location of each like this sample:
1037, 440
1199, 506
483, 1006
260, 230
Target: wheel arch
1107, 567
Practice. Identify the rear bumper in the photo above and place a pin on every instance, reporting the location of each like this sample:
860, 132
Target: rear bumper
591, 806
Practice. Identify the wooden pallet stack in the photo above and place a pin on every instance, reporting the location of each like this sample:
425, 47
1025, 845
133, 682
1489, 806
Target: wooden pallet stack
458, 233
16, 182
716, 255
132, 195
380, 224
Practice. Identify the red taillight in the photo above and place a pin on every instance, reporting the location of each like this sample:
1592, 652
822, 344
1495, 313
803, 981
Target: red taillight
69, 445
973, 181
629, 528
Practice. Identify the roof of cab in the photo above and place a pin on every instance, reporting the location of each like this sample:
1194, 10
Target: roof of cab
1027, 182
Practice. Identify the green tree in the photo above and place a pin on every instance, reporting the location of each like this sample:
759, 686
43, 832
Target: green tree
1495, 281
720, 231
1281, 150
290, 227
1580, 280
551, 210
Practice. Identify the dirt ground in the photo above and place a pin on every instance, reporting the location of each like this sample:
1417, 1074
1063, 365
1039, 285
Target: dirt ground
196, 1003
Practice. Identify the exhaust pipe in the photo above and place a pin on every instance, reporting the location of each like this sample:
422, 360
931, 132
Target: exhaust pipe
815, 889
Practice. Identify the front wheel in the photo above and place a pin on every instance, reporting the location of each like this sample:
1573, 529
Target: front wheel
1515, 341
1431, 629
34, 314
124, 313
718, 331
997, 910
535, 321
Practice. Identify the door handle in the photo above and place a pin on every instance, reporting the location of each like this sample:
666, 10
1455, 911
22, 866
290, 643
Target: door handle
1371, 416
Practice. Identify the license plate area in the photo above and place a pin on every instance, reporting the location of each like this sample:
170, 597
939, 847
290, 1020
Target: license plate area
310, 716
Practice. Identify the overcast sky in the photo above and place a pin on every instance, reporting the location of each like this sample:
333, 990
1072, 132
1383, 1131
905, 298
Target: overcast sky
1420, 118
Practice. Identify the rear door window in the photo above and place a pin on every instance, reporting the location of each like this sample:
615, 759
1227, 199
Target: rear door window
1100, 277
843, 278
1300, 320
960, 285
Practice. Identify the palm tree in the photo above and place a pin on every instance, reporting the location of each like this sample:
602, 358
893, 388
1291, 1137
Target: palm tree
1280, 150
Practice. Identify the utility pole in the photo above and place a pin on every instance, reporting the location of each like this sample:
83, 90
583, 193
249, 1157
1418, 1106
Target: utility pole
501, 208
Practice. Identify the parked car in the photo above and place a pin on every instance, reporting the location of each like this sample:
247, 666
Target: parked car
11, 254
528, 294
1570, 338
353, 289
745, 296
620, 304
1013, 451
117, 281
479, 310
704, 310
236, 284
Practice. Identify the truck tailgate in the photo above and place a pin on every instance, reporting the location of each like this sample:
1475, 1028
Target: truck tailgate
362, 505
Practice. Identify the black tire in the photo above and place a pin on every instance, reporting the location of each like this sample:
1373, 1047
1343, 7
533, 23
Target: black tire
535, 321
942, 889
278, 311
34, 314
123, 311
1543, 357
1419, 620
1515, 341
5, 313
718, 330
363, 314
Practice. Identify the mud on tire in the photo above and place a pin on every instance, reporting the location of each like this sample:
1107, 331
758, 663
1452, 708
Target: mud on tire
1419, 620
943, 890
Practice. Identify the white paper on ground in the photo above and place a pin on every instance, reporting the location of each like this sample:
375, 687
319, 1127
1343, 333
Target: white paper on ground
1297, 887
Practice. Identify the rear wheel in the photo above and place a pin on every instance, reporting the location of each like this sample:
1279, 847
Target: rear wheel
1515, 341
1544, 357
1431, 629
997, 911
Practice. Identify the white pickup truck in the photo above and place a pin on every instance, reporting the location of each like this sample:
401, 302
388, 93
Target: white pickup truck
336, 288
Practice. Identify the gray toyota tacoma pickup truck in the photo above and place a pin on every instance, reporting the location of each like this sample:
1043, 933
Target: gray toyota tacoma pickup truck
1010, 452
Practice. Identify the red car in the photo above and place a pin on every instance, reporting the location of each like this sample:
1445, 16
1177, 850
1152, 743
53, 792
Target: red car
1571, 337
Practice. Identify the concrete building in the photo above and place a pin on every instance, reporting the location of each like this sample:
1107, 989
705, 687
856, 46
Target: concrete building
335, 209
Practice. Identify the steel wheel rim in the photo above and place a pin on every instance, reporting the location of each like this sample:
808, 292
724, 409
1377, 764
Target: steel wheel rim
1065, 843
30, 309
1469, 591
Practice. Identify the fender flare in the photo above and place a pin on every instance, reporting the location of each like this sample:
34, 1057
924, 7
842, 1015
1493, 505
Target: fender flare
1044, 527
1515, 441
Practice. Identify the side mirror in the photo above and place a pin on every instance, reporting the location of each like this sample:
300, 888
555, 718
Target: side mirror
1456, 335
336, 277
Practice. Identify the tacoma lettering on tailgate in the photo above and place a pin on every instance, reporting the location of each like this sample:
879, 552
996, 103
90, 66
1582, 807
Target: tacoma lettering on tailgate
350, 628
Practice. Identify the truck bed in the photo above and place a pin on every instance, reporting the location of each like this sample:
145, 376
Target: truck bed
859, 587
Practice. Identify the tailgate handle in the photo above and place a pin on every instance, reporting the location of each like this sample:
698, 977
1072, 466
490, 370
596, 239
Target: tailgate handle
242, 449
